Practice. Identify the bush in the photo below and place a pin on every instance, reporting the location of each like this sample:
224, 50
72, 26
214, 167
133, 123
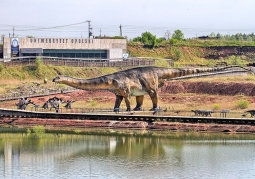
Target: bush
39, 130
173, 41
216, 106
242, 104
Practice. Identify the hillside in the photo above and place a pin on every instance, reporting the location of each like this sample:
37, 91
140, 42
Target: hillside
196, 55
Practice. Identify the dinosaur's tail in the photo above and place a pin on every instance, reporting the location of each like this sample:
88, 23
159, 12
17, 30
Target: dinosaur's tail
202, 72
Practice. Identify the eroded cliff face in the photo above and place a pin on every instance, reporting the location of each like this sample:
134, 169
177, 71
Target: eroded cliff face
225, 51
212, 88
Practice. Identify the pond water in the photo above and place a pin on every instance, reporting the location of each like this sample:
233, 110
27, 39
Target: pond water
126, 154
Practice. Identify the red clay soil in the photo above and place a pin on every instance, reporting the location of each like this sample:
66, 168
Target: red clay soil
232, 89
212, 88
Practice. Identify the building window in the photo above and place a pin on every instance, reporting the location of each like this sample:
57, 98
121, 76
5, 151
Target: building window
94, 54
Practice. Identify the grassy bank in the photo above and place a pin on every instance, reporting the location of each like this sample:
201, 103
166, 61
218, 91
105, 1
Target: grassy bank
183, 56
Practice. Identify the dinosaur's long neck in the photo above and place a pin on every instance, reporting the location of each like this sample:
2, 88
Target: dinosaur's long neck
99, 83
173, 73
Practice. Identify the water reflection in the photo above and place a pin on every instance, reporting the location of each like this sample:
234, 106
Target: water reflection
118, 154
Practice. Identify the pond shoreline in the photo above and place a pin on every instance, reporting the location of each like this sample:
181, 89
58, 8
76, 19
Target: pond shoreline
167, 126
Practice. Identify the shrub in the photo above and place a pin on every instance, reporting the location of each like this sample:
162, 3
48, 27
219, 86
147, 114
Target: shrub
216, 106
39, 130
242, 104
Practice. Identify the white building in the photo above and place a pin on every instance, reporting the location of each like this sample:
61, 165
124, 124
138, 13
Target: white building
65, 47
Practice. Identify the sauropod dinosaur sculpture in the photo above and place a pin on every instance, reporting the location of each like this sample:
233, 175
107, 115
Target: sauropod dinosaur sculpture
133, 82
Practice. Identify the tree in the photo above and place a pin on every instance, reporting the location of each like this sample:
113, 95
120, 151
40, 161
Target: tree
218, 36
148, 39
178, 35
212, 34
167, 35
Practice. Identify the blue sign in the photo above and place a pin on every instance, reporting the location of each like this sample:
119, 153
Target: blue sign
15, 47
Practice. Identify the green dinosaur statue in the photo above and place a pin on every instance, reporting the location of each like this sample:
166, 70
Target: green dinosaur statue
133, 82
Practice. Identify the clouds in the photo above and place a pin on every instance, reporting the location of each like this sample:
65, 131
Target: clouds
107, 15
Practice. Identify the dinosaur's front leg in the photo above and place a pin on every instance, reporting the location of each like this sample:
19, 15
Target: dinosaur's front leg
139, 103
117, 103
154, 99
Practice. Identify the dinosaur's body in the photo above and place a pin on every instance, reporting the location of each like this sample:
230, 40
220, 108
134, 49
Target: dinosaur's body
132, 82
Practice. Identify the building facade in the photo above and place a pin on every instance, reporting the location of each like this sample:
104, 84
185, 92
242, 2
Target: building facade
65, 47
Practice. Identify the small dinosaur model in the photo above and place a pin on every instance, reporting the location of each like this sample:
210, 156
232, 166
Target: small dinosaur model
133, 82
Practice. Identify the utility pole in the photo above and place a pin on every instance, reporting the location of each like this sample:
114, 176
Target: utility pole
12, 32
89, 29
120, 30
100, 32
2, 39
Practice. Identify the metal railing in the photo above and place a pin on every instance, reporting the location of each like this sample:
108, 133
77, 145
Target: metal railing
38, 93
109, 111
77, 62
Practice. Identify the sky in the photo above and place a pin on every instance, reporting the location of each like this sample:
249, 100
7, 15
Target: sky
44, 18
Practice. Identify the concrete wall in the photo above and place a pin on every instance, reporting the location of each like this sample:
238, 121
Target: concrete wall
116, 47
114, 53
7, 48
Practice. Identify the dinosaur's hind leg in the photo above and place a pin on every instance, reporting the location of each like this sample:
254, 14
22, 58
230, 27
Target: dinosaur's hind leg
127, 101
117, 102
154, 99
139, 103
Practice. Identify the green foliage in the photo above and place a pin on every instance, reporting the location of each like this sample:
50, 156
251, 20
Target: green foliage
176, 53
160, 40
178, 35
148, 39
242, 104
137, 39
39, 130
236, 60
1, 67
173, 41
38, 63
77, 131
161, 63
117, 37
215, 39
28, 131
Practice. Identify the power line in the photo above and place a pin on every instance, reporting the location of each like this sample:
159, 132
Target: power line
53, 27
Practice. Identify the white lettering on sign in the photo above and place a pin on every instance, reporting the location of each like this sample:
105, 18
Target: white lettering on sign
49, 40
